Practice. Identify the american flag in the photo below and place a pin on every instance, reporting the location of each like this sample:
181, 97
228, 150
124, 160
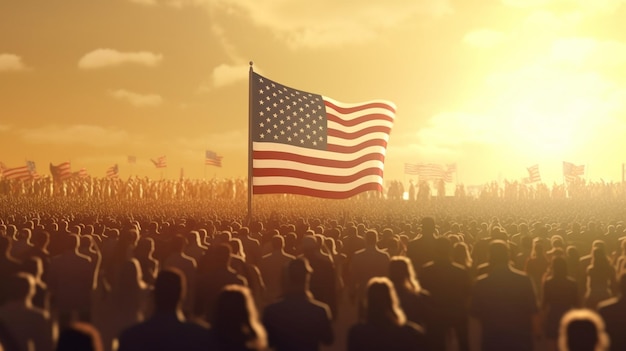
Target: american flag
211, 159
81, 173
312, 145
26, 172
572, 171
112, 172
160, 162
533, 174
411, 169
132, 159
61, 171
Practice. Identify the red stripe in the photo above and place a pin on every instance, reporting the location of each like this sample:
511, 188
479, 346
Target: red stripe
356, 121
277, 155
353, 135
346, 110
289, 189
356, 148
325, 178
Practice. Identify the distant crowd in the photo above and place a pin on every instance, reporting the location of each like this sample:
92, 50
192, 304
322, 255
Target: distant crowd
368, 273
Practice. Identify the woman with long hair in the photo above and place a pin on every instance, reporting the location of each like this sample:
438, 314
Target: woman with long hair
235, 324
384, 326
413, 299
601, 279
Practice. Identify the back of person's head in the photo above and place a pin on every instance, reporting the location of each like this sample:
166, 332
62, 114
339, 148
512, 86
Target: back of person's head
298, 272
79, 337
428, 225
401, 274
443, 249
178, 243
582, 330
169, 289
221, 255
382, 305
371, 237
40, 239
559, 267
235, 320
21, 287
498, 253
309, 244
278, 242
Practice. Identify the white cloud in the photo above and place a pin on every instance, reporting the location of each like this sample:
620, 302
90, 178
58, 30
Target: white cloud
11, 62
75, 134
225, 74
101, 58
327, 23
589, 53
484, 38
137, 99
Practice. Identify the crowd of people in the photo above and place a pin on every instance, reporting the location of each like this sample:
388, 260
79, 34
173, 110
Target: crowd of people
193, 273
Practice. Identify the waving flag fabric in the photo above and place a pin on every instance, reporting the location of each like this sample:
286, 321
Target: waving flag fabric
160, 162
571, 172
112, 172
211, 159
309, 144
26, 172
61, 171
533, 174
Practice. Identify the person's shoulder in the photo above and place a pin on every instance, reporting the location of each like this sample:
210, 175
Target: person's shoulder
413, 328
609, 304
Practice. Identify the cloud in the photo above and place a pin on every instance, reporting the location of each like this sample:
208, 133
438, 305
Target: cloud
137, 99
75, 134
586, 6
11, 62
327, 23
484, 38
4, 127
225, 74
101, 58
589, 53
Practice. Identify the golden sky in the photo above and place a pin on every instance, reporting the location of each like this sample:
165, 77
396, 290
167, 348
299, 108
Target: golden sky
493, 85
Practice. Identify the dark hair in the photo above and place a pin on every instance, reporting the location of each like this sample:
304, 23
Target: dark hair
382, 303
79, 336
169, 289
235, 320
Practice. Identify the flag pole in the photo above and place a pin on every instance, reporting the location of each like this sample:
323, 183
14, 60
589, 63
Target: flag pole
250, 142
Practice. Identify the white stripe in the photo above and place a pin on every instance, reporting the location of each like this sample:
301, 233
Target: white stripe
302, 151
260, 181
358, 127
348, 142
357, 104
259, 164
357, 114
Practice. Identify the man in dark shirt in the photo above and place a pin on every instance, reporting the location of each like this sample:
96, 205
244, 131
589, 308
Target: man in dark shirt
504, 302
167, 328
298, 322
613, 311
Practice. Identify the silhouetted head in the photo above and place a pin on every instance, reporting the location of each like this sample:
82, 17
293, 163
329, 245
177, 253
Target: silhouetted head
79, 336
169, 289
582, 330
298, 273
402, 275
428, 226
221, 255
371, 237
559, 267
278, 242
498, 253
382, 306
235, 320
443, 249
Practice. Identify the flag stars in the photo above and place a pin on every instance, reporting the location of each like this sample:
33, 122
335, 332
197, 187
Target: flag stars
261, 124
268, 109
269, 131
308, 126
268, 120
275, 137
261, 102
282, 122
260, 91
262, 136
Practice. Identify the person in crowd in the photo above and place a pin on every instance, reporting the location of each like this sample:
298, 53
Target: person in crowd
235, 324
420, 250
613, 312
298, 321
449, 285
167, 328
414, 301
560, 294
582, 330
32, 328
384, 326
601, 279
504, 303
273, 266
323, 283
366, 263
79, 336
